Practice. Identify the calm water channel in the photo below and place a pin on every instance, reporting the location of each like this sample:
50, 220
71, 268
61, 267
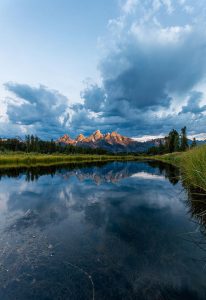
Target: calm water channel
120, 230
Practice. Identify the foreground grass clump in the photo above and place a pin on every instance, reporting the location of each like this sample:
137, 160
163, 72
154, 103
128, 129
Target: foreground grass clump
192, 164
35, 159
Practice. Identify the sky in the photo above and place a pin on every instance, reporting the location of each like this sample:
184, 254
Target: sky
137, 67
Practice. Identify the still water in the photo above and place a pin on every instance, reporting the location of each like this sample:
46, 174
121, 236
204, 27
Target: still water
120, 230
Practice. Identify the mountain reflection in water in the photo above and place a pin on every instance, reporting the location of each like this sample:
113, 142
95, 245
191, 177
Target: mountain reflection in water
120, 230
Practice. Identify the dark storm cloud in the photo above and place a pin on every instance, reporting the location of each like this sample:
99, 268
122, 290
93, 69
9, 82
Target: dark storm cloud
144, 73
153, 70
193, 104
94, 98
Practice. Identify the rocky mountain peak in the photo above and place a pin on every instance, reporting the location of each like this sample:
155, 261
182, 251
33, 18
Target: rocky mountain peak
115, 134
65, 139
110, 141
97, 135
80, 137
65, 136
107, 135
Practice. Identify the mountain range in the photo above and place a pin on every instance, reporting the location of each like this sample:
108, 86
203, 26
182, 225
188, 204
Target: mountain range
112, 142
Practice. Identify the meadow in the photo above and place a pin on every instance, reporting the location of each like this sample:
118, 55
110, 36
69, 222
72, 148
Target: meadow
20, 159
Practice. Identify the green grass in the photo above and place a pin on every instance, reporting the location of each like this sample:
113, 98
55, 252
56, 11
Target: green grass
192, 163
34, 159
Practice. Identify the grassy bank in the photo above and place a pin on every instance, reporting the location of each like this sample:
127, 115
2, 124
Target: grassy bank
34, 159
192, 163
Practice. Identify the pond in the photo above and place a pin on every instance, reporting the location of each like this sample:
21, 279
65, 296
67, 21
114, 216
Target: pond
117, 230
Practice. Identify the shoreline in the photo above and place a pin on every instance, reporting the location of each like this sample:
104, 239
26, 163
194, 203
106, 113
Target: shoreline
16, 160
192, 163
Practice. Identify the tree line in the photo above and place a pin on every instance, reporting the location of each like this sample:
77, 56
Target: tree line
173, 142
32, 143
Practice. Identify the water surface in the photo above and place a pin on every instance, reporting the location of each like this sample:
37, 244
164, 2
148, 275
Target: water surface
120, 230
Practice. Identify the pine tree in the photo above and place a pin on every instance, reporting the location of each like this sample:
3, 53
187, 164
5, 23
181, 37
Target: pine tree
27, 140
173, 141
161, 147
194, 143
184, 142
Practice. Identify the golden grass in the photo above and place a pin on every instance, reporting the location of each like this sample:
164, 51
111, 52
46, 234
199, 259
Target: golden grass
35, 159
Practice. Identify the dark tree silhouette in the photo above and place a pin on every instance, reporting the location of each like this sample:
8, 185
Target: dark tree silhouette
173, 141
184, 142
194, 143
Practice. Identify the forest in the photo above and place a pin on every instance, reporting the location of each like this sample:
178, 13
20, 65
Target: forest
173, 142
33, 144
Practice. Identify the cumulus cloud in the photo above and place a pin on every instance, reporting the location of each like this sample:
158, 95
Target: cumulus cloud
193, 104
94, 98
154, 61
129, 6
148, 67
41, 110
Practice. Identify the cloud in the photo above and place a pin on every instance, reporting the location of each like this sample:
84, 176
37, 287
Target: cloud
94, 98
129, 6
151, 72
150, 64
169, 6
42, 110
193, 104
148, 67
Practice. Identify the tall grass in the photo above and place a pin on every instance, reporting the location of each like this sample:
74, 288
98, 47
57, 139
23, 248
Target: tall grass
192, 163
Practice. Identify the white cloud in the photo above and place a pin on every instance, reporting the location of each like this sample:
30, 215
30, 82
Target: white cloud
145, 138
148, 176
129, 6
199, 136
159, 34
168, 5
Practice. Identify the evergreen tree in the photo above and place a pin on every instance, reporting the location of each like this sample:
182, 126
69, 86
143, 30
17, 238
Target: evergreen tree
161, 147
166, 144
32, 146
184, 142
194, 143
27, 141
173, 141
